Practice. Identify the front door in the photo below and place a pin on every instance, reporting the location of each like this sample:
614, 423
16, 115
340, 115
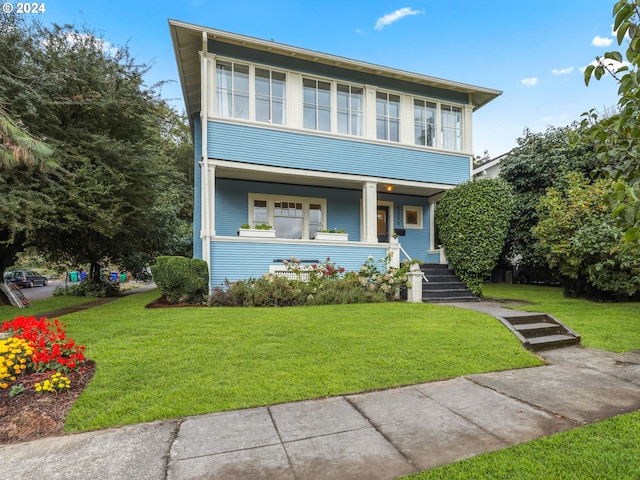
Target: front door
383, 224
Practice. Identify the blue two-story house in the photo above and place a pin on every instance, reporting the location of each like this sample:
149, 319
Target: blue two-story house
305, 141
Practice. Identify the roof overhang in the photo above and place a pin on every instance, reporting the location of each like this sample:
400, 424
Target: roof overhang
293, 176
188, 41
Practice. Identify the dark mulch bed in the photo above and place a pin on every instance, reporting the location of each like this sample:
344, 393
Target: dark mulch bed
163, 303
31, 415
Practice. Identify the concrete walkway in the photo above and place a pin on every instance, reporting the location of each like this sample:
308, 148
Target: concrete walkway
377, 435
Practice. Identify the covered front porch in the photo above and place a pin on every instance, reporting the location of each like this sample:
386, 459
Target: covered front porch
300, 203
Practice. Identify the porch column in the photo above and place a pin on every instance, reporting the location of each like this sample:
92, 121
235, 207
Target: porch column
369, 212
212, 200
206, 181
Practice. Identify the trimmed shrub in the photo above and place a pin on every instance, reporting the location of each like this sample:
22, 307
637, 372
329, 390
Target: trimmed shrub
473, 221
181, 279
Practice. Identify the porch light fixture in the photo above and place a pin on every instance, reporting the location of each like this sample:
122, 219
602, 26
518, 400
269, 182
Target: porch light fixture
389, 188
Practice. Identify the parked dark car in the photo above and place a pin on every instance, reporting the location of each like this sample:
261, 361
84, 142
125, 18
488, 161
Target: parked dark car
26, 278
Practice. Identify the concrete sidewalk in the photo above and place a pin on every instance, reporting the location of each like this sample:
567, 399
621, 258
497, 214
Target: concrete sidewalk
377, 435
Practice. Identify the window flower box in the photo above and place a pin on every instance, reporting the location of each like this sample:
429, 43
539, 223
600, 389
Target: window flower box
263, 231
331, 237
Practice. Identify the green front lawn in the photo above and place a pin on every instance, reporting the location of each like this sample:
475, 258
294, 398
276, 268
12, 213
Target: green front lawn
608, 326
39, 307
164, 363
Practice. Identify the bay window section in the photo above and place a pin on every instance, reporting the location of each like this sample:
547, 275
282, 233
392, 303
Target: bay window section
315, 218
387, 116
451, 119
288, 219
292, 217
350, 108
260, 213
424, 114
270, 96
316, 105
232, 90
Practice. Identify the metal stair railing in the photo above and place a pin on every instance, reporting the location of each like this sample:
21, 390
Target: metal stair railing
410, 260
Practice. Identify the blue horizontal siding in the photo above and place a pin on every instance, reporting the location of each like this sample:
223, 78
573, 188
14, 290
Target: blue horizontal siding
266, 146
237, 260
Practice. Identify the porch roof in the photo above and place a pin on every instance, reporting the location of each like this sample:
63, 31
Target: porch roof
264, 173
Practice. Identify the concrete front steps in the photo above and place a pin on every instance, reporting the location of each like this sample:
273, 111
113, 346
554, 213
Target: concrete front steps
444, 285
540, 331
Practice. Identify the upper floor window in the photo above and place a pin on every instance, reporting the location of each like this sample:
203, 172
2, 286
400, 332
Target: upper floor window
316, 105
424, 115
388, 116
270, 96
232, 92
451, 119
350, 108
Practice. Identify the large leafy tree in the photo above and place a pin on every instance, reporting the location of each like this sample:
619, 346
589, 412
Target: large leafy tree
116, 194
535, 165
577, 235
617, 137
22, 160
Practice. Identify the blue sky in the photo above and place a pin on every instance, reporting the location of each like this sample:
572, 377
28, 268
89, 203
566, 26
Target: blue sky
534, 51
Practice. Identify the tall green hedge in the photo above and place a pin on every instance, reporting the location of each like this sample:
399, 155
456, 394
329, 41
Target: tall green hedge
473, 220
181, 279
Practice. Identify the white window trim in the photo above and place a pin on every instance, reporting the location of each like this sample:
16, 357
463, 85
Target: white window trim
334, 106
419, 210
252, 91
387, 117
271, 199
294, 106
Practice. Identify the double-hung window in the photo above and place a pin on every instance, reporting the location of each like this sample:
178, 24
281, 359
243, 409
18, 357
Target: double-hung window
451, 119
424, 115
316, 105
271, 95
350, 108
232, 90
292, 217
388, 116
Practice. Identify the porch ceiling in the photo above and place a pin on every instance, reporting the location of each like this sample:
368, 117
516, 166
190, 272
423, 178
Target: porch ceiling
260, 173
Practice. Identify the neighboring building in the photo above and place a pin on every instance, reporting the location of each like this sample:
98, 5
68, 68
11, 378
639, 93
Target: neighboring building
489, 169
305, 141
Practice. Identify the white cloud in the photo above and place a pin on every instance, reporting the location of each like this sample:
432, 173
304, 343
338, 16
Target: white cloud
562, 71
529, 82
389, 18
601, 42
